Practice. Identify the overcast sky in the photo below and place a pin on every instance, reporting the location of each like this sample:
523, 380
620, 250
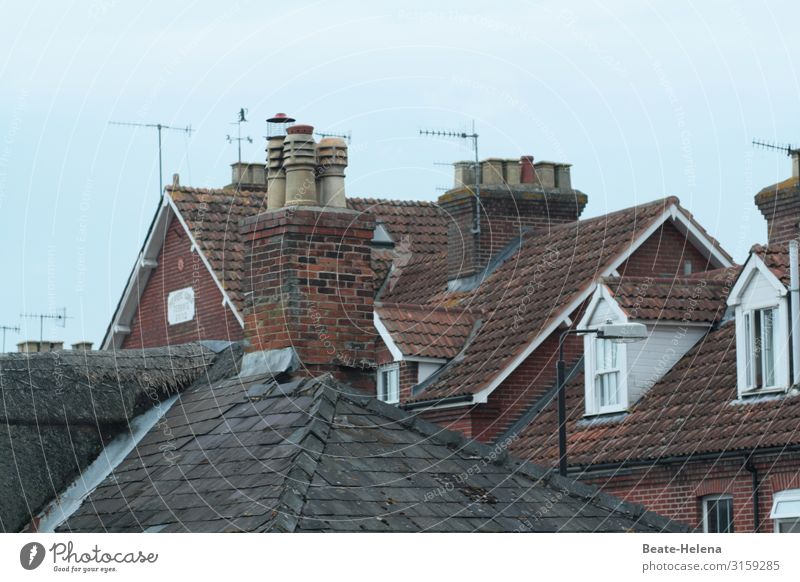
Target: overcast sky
645, 99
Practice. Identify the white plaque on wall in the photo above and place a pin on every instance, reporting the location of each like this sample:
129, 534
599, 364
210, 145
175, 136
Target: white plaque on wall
180, 306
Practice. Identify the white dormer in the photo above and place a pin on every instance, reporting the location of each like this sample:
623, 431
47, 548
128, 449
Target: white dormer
617, 375
761, 306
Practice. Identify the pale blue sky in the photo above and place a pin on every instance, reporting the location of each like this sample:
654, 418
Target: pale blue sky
646, 99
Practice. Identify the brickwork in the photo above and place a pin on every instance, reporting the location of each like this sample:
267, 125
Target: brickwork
676, 490
505, 212
664, 255
780, 205
310, 280
179, 267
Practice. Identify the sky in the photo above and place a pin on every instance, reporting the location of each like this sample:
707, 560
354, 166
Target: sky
646, 99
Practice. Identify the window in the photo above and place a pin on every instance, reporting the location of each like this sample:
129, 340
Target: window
607, 387
389, 383
718, 514
786, 511
759, 357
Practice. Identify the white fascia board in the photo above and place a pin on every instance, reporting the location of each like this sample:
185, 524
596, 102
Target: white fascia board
754, 265
483, 395
199, 252
696, 236
397, 355
602, 293
138, 278
71, 499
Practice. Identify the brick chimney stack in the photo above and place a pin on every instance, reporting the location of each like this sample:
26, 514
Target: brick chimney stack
780, 205
308, 271
515, 194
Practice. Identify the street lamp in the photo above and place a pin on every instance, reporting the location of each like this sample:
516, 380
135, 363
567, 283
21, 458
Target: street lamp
621, 333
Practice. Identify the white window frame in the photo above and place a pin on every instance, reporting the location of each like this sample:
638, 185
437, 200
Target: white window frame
705, 500
390, 395
781, 497
592, 398
746, 348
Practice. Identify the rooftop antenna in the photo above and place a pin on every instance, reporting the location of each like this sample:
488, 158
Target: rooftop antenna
345, 136
476, 228
60, 317
787, 149
159, 126
6, 328
239, 139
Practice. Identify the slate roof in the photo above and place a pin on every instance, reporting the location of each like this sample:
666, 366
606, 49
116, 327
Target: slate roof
418, 229
437, 332
531, 289
57, 409
694, 409
309, 455
698, 299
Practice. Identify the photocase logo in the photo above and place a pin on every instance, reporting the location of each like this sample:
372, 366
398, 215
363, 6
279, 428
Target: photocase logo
31, 555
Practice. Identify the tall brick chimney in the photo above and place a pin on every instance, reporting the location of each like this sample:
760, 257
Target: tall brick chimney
780, 205
308, 276
489, 210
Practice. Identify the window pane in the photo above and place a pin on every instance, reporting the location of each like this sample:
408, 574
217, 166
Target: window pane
394, 385
719, 515
767, 347
748, 355
758, 366
789, 526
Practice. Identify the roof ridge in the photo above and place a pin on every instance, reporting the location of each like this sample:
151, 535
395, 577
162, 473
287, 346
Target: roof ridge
311, 441
393, 201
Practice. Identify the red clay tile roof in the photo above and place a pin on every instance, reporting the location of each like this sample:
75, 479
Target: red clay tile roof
776, 258
696, 300
693, 409
531, 289
212, 215
422, 331
417, 227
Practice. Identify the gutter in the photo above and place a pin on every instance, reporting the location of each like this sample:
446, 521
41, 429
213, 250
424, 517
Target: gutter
434, 404
589, 469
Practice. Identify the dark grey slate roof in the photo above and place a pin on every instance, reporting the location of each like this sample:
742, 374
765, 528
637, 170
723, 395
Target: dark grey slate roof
58, 409
309, 455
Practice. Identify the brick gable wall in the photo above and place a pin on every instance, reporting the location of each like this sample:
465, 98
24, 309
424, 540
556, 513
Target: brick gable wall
213, 320
663, 255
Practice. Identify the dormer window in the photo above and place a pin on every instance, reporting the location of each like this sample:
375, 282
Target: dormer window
607, 382
759, 356
763, 344
389, 383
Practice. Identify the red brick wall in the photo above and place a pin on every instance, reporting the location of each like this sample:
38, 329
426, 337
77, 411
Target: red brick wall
781, 208
524, 386
663, 255
457, 419
213, 320
676, 491
503, 216
310, 280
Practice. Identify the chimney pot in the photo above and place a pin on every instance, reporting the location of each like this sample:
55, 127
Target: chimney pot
332, 159
302, 129
299, 162
526, 172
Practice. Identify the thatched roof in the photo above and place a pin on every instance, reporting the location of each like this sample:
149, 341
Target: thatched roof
59, 409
